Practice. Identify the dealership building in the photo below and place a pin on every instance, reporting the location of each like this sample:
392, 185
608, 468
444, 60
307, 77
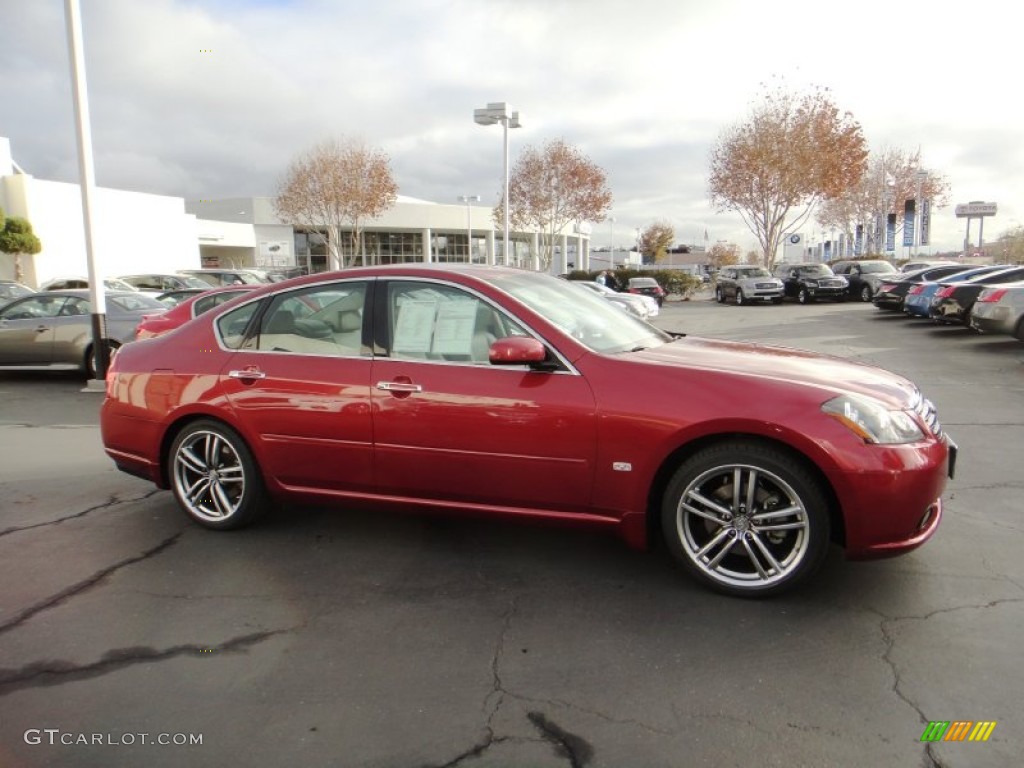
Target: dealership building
137, 232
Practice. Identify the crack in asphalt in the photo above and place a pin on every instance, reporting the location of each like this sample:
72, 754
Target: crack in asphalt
86, 584
43, 674
112, 502
884, 625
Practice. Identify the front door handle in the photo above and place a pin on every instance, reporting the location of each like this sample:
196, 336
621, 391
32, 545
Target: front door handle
249, 374
42, 329
398, 386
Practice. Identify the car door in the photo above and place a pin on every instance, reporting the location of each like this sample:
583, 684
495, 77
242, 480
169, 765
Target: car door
449, 426
26, 330
298, 385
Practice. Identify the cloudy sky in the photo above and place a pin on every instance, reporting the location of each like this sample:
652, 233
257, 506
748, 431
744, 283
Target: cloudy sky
211, 98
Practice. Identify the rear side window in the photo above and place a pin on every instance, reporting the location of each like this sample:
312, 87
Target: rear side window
231, 326
324, 320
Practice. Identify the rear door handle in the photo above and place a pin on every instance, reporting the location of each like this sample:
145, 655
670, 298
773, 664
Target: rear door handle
398, 386
249, 374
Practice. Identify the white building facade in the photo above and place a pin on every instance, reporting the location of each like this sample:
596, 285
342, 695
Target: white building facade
134, 232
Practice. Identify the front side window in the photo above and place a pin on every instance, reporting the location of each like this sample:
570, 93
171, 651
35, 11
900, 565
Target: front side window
36, 307
431, 321
319, 320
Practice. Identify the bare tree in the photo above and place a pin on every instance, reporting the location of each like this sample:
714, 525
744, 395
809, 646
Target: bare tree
551, 188
793, 151
893, 177
334, 185
656, 240
1009, 248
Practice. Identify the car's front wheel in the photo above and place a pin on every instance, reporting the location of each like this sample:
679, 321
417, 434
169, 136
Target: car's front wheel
740, 298
746, 518
215, 477
865, 293
804, 297
91, 363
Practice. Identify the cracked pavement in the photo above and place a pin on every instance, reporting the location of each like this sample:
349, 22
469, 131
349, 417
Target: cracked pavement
345, 638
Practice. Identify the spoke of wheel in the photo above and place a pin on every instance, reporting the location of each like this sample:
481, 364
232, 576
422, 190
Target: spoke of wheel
737, 479
196, 491
233, 474
221, 500
713, 562
751, 489
701, 513
780, 527
753, 558
761, 516
212, 447
715, 541
190, 460
725, 512
767, 553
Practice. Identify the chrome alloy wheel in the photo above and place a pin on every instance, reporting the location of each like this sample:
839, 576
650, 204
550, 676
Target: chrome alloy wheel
742, 526
209, 476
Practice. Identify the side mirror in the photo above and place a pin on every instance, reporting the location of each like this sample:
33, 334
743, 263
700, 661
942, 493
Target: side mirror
517, 350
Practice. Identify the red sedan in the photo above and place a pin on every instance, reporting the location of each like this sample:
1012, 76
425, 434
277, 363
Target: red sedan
499, 392
162, 322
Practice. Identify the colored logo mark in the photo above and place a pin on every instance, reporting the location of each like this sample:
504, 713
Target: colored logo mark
958, 730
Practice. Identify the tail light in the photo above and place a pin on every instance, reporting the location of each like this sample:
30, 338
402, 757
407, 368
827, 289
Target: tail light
919, 288
944, 293
991, 295
634, 290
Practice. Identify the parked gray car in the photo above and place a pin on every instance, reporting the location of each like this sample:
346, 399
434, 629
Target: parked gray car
641, 306
747, 283
1000, 309
10, 290
53, 329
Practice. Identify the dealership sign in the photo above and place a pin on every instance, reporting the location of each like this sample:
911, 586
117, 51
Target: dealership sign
976, 208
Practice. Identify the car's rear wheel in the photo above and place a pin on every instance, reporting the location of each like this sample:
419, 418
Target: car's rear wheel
1018, 332
746, 519
91, 363
719, 296
865, 293
215, 477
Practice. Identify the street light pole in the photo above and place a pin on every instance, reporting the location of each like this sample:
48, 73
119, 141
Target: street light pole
499, 112
611, 258
467, 199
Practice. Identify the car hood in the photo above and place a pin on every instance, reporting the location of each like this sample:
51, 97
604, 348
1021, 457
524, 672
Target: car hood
783, 364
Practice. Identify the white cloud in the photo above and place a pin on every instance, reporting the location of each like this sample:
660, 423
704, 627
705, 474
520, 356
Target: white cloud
642, 87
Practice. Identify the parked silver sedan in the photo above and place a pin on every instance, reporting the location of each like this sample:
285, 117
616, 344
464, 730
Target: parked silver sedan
636, 304
1000, 309
53, 329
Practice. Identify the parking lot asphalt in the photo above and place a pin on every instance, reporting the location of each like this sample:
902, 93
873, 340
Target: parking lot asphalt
344, 638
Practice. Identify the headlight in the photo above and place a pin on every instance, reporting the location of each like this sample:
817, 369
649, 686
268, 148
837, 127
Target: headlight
872, 421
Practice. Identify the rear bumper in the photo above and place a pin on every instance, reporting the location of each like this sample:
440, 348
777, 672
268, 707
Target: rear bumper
993, 319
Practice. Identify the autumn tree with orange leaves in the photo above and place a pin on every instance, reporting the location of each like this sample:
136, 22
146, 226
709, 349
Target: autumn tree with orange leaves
335, 185
551, 188
794, 151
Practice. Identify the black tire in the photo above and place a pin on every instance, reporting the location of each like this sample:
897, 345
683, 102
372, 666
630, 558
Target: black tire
740, 298
90, 358
703, 539
1018, 332
719, 296
233, 494
804, 297
865, 293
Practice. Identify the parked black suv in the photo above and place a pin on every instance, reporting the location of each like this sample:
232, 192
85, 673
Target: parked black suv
809, 282
864, 276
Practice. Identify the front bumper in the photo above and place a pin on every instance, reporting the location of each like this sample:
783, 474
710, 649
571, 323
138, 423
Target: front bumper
895, 508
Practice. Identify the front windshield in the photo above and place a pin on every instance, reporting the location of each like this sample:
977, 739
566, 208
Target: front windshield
194, 282
116, 284
753, 272
816, 270
593, 321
